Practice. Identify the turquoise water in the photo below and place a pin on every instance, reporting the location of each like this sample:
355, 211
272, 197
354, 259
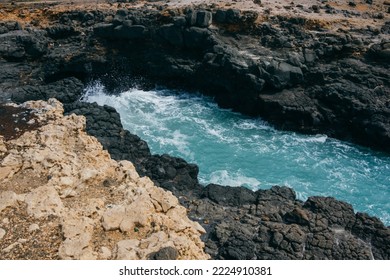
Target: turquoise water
231, 149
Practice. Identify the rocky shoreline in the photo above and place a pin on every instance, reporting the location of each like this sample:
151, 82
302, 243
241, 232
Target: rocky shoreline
298, 73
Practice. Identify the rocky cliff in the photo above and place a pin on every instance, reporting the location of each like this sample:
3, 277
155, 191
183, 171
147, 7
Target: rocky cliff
314, 68
62, 196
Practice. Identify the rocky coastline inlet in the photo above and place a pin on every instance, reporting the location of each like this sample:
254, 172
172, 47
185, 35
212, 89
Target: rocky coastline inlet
304, 67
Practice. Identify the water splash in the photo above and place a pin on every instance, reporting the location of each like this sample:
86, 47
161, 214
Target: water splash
231, 149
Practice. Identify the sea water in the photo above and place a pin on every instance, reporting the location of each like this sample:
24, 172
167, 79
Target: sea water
235, 150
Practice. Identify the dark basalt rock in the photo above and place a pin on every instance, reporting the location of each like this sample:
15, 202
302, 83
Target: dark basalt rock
18, 45
229, 196
7, 26
199, 18
171, 34
124, 31
336, 212
60, 31
334, 85
166, 253
67, 90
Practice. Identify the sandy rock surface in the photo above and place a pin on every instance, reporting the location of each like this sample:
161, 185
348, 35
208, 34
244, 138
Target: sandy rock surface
63, 197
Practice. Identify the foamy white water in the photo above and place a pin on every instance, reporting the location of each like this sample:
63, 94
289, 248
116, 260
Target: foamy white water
231, 149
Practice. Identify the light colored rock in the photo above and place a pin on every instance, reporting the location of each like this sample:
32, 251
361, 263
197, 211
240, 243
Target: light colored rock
5, 221
2, 233
44, 201
10, 247
5, 171
3, 148
78, 232
105, 253
127, 250
165, 199
33, 227
68, 192
7, 199
113, 217
149, 218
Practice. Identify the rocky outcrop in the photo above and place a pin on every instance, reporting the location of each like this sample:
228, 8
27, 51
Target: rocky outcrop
98, 208
297, 72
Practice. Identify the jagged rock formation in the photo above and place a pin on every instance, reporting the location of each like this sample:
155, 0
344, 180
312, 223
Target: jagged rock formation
295, 69
309, 68
58, 186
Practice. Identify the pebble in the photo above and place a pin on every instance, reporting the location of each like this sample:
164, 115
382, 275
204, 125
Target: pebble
33, 227
10, 247
106, 253
5, 221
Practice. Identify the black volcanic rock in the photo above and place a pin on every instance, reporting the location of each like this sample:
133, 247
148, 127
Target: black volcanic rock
67, 90
313, 82
18, 45
229, 196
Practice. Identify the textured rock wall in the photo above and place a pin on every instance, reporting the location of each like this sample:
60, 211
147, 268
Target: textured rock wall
59, 187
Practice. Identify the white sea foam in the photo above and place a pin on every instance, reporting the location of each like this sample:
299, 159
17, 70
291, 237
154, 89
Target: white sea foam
236, 179
313, 139
235, 150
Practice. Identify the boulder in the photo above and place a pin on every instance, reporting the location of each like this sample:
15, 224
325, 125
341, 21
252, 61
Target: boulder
199, 18
7, 26
198, 38
166, 253
171, 34
283, 74
20, 44
67, 90
129, 32
61, 31
232, 196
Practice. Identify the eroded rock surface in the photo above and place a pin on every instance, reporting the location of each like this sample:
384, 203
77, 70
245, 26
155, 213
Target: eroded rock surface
314, 68
98, 208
